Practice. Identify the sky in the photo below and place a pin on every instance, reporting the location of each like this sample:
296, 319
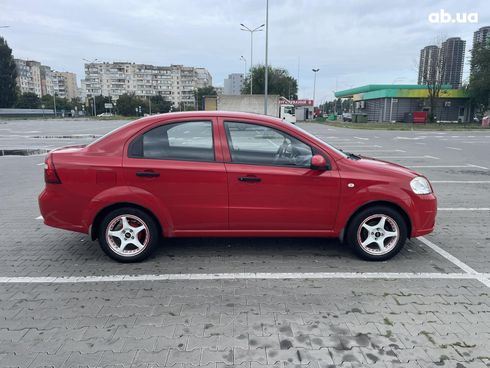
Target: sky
352, 42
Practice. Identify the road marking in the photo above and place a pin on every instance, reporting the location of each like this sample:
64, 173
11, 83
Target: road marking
464, 209
39, 164
362, 146
39, 218
402, 157
469, 271
447, 166
370, 151
481, 167
455, 148
238, 276
461, 181
361, 138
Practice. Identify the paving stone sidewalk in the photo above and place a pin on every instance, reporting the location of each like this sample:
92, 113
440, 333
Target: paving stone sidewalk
246, 323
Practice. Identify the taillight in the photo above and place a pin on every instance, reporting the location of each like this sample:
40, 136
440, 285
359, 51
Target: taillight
50, 175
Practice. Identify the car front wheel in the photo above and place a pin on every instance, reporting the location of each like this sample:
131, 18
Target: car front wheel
377, 233
128, 234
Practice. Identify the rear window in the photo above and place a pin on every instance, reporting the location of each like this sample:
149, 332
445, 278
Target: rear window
189, 141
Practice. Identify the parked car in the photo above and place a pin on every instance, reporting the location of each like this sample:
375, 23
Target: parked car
346, 116
230, 174
105, 114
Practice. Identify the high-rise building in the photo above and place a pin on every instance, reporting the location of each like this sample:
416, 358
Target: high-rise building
443, 64
429, 57
42, 80
29, 76
452, 59
176, 83
481, 36
233, 84
67, 81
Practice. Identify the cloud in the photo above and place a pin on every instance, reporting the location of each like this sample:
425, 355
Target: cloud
353, 42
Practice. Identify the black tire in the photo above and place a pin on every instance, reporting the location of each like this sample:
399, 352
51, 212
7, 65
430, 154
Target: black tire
138, 244
372, 251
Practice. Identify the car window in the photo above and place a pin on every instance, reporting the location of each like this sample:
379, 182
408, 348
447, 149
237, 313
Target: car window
261, 145
190, 141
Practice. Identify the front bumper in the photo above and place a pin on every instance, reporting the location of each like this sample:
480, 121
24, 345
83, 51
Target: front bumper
425, 212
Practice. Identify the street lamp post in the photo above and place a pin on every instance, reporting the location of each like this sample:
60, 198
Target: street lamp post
314, 84
266, 76
256, 29
54, 103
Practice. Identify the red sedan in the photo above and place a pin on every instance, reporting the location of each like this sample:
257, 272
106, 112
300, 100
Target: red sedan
230, 174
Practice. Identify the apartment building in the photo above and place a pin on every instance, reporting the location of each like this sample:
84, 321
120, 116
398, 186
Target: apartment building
176, 83
443, 64
233, 84
452, 54
29, 76
429, 57
40, 79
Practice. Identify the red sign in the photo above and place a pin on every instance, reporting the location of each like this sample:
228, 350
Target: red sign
297, 102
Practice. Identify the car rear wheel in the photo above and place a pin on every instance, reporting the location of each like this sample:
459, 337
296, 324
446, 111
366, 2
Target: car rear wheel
377, 233
128, 234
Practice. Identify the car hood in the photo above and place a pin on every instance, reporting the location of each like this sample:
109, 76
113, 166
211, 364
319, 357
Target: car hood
385, 167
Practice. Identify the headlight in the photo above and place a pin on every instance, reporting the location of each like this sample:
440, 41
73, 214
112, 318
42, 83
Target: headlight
420, 185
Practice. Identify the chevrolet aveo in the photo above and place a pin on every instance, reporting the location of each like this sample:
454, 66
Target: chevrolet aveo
224, 174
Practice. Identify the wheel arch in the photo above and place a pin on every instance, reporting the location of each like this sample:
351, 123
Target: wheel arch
389, 204
94, 227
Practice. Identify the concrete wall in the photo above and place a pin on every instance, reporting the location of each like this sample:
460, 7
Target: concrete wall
249, 103
26, 112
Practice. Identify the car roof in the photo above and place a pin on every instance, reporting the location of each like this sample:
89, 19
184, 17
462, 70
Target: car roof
213, 113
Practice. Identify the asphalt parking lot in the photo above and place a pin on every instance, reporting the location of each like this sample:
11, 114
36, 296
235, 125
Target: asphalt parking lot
249, 302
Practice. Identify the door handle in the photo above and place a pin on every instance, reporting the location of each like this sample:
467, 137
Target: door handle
249, 179
147, 174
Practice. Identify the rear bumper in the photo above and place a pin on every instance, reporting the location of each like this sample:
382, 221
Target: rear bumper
58, 211
425, 211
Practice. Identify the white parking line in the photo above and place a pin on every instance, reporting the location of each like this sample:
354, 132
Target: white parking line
481, 167
403, 157
464, 209
443, 166
239, 276
470, 271
39, 218
461, 181
455, 148
381, 150
361, 146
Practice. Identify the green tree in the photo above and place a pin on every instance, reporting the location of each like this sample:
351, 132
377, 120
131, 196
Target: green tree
279, 82
159, 104
479, 87
200, 93
28, 100
8, 75
128, 103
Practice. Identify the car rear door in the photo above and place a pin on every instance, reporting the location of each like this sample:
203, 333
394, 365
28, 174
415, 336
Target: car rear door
270, 193
179, 164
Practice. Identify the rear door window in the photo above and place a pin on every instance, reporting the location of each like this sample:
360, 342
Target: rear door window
188, 141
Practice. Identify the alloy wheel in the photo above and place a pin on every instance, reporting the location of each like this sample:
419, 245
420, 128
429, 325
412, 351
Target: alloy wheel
127, 235
378, 234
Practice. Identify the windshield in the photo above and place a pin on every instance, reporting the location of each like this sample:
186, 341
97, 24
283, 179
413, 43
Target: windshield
314, 137
289, 110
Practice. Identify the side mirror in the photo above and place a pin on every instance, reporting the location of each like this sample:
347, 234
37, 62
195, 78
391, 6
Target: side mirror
318, 162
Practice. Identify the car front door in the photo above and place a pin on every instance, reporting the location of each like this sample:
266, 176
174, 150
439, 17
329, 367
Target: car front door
176, 163
270, 182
